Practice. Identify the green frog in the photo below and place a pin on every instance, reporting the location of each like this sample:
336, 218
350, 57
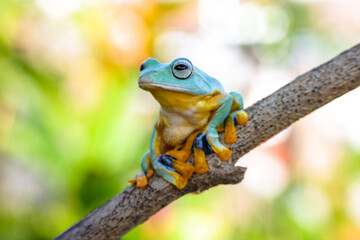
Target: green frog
194, 108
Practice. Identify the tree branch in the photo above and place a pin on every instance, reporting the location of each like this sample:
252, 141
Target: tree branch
268, 117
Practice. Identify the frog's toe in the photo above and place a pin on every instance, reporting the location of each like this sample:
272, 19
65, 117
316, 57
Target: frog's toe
133, 180
183, 152
141, 180
167, 167
221, 151
173, 164
184, 169
241, 117
180, 154
149, 173
201, 148
224, 154
230, 131
200, 162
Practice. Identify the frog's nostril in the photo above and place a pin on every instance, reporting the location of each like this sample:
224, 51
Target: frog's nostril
142, 67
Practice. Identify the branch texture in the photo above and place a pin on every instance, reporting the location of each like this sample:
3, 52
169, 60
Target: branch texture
268, 117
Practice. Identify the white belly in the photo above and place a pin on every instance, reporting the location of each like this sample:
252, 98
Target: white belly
179, 126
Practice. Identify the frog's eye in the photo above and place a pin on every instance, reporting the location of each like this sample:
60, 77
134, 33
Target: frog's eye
182, 68
142, 66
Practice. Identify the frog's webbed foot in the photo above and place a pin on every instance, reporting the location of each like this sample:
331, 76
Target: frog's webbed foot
220, 150
141, 179
173, 170
208, 141
183, 152
201, 147
238, 117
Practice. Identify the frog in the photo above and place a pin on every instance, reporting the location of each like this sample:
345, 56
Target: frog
194, 108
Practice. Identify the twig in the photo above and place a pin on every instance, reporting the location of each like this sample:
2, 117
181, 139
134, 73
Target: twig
268, 117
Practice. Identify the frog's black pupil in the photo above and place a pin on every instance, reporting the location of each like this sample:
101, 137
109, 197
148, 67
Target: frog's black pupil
181, 67
142, 67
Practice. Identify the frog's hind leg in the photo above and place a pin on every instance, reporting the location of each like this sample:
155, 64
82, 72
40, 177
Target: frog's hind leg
169, 168
220, 114
141, 178
183, 152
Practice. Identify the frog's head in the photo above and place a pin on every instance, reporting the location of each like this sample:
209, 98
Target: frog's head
179, 76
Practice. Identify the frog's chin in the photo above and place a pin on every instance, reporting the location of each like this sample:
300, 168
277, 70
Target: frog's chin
151, 85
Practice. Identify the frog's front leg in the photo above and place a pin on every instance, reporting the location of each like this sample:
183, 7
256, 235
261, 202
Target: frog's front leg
219, 115
237, 116
237, 108
220, 106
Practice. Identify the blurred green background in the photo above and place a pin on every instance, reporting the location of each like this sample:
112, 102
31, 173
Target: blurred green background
74, 125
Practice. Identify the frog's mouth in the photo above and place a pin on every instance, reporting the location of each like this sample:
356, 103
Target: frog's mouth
150, 85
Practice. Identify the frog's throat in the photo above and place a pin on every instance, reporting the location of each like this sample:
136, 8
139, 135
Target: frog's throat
151, 85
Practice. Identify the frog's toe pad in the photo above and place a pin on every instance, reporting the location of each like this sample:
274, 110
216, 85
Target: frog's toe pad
184, 169
242, 117
230, 131
149, 173
181, 182
133, 180
200, 162
224, 154
180, 155
172, 164
140, 180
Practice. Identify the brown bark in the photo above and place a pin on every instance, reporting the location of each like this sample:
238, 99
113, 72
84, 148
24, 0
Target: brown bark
268, 117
